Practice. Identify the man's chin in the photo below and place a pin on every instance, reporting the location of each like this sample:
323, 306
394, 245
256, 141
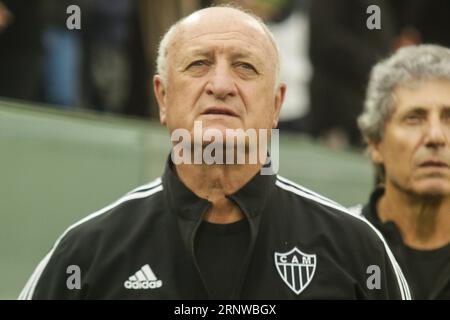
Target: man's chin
433, 189
222, 128
423, 187
221, 132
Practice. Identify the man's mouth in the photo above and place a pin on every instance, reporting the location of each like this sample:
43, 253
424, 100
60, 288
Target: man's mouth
219, 111
434, 164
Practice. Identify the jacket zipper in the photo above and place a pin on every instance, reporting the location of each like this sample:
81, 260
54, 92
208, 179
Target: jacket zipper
192, 250
253, 233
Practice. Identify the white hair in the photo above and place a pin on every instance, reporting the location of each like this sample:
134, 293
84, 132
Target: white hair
407, 66
161, 61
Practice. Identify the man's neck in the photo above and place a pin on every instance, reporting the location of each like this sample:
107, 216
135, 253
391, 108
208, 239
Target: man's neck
424, 222
214, 182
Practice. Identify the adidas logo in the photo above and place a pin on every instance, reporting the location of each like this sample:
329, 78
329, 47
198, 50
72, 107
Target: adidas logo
143, 279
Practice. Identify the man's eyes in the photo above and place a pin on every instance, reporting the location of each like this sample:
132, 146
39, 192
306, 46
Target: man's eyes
413, 118
198, 63
446, 115
246, 66
419, 118
241, 65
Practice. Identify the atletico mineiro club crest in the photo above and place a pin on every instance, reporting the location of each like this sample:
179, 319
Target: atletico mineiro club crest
296, 268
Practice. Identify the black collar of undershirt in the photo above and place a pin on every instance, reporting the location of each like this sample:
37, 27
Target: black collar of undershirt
369, 211
392, 234
251, 198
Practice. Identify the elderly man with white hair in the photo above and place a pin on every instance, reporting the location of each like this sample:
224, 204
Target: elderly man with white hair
213, 230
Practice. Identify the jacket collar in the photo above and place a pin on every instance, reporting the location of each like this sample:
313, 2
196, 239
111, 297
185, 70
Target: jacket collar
370, 212
251, 198
189, 209
370, 209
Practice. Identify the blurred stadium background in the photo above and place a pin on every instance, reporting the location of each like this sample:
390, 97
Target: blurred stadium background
79, 123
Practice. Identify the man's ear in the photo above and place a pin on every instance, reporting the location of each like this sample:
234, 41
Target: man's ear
160, 94
279, 98
375, 151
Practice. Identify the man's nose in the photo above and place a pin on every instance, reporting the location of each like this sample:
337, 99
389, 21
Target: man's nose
436, 134
221, 84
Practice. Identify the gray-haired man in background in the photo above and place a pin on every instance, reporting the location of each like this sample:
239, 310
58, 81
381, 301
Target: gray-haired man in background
406, 123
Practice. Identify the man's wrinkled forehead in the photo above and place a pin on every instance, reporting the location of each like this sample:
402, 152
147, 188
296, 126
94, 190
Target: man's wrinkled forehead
222, 24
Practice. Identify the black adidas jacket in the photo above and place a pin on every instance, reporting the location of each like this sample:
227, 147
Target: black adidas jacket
303, 246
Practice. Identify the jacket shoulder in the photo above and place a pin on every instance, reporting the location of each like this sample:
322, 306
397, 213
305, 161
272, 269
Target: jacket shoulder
76, 244
315, 202
347, 227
